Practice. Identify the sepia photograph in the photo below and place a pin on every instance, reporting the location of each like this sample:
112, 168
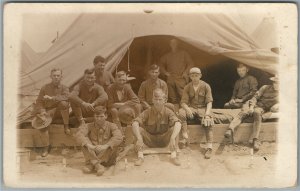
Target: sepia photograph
150, 95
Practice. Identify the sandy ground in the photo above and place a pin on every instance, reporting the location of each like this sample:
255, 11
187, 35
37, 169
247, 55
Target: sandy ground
234, 167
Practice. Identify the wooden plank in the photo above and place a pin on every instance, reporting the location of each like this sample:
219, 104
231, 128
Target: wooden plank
31, 138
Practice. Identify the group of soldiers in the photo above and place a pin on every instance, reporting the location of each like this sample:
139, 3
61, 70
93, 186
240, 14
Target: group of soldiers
155, 122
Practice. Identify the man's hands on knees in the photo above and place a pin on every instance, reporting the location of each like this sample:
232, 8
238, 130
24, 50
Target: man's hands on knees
207, 121
100, 148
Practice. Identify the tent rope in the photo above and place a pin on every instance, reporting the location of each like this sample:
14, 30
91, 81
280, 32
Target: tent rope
128, 59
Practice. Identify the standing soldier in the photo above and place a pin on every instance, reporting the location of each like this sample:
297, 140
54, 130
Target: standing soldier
103, 77
99, 141
176, 65
86, 96
196, 102
51, 103
146, 89
122, 101
157, 126
244, 88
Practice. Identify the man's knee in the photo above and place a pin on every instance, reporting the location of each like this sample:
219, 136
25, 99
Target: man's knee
63, 105
257, 112
227, 106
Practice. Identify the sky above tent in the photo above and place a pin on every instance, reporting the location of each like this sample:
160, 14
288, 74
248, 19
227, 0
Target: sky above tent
39, 30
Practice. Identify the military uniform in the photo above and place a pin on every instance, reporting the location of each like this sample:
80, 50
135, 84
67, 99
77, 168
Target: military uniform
57, 107
244, 89
83, 93
107, 134
263, 100
104, 79
123, 95
197, 102
177, 64
156, 127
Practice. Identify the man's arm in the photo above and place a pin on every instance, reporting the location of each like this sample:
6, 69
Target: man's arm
235, 90
133, 99
102, 96
39, 103
116, 138
142, 95
74, 96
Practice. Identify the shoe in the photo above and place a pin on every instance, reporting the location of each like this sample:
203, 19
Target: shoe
87, 169
139, 162
67, 130
228, 134
256, 144
185, 135
175, 161
100, 169
208, 153
45, 151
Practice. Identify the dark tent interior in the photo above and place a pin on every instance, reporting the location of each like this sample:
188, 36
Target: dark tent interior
217, 70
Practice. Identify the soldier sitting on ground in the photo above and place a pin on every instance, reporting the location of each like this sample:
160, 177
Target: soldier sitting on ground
99, 141
157, 126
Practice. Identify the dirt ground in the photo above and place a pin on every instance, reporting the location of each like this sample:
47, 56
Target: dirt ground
231, 167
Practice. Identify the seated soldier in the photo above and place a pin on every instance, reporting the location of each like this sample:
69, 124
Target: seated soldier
157, 126
244, 88
264, 100
53, 99
86, 96
122, 101
99, 141
196, 102
146, 89
103, 78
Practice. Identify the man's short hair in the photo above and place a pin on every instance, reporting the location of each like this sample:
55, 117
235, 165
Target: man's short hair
100, 110
158, 91
99, 59
242, 66
56, 69
120, 74
154, 67
89, 71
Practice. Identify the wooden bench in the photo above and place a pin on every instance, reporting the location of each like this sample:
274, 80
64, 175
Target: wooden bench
30, 137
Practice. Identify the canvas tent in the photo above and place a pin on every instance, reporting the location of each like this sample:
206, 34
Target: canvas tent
29, 58
111, 35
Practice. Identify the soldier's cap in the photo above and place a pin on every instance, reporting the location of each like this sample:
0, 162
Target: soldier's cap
275, 78
100, 110
98, 59
195, 71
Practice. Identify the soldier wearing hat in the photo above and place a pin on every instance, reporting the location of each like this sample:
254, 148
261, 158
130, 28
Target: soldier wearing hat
244, 89
196, 102
100, 141
264, 100
157, 126
86, 96
175, 65
52, 103
122, 103
103, 78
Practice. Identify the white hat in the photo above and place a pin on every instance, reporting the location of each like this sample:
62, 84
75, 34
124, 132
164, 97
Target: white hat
195, 70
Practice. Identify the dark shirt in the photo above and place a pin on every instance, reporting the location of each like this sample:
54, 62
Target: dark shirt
265, 97
198, 99
58, 93
146, 90
90, 133
245, 88
129, 96
83, 93
155, 122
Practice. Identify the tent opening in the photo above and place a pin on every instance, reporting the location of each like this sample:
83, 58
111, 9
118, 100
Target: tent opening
218, 71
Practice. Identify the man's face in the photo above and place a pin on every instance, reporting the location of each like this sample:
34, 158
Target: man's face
100, 66
90, 79
56, 77
158, 101
195, 77
100, 118
174, 45
242, 71
121, 81
154, 74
